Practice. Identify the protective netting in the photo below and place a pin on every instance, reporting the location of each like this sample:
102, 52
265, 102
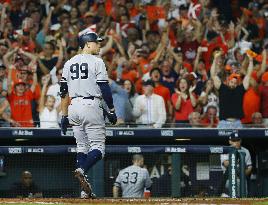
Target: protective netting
200, 173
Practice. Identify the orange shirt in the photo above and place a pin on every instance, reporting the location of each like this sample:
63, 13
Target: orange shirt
206, 122
130, 75
164, 92
145, 65
133, 12
185, 109
251, 104
207, 56
15, 78
21, 108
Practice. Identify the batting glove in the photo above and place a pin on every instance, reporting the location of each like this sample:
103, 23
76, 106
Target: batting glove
111, 116
64, 124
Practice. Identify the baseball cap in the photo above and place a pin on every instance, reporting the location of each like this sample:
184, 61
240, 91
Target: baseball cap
234, 136
234, 75
193, 74
148, 82
19, 82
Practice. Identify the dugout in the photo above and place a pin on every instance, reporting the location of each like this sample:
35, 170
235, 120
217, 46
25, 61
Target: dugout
51, 152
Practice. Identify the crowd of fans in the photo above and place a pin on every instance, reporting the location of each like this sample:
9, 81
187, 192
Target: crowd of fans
168, 61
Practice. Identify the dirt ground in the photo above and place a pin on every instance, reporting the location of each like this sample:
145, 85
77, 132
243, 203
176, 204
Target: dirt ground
161, 201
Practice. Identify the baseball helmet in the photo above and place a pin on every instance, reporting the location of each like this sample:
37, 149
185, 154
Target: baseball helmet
88, 37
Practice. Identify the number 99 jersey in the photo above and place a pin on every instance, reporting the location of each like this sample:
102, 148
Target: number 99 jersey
82, 73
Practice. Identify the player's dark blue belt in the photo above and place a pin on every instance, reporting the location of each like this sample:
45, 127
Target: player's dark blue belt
88, 97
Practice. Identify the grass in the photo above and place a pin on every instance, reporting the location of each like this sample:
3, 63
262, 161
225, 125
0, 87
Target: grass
261, 203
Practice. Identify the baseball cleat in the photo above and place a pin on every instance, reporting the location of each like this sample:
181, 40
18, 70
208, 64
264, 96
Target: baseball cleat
84, 195
85, 185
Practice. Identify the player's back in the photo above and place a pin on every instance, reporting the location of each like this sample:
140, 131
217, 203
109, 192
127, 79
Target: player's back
132, 181
82, 72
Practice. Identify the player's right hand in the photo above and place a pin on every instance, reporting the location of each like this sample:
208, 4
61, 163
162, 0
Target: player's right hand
64, 124
112, 117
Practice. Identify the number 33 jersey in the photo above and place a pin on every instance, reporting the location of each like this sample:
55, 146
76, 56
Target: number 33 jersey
132, 181
82, 73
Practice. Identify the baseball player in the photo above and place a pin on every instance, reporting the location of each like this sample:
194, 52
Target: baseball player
133, 179
85, 81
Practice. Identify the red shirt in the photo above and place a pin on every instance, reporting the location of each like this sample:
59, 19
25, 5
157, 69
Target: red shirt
206, 122
251, 104
189, 50
129, 75
164, 92
264, 100
185, 109
21, 108
207, 56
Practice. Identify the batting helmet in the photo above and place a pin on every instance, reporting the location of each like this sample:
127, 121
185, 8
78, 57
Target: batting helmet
88, 37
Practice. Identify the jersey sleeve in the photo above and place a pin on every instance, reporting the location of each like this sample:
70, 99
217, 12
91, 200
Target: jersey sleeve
65, 72
224, 157
118, 180
148, 181
101, 73
248, 159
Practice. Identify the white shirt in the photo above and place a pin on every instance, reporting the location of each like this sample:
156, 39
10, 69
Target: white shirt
54, 90
53, 75
213, 100
154, 110
49, 119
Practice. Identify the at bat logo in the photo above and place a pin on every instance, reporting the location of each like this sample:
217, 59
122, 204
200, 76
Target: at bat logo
175, 149
22, 133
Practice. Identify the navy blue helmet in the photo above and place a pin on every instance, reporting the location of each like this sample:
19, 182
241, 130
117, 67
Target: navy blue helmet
88, 37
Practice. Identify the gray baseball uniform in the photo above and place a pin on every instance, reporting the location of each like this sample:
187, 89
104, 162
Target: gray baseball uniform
82, 72
248, 161
132, 181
